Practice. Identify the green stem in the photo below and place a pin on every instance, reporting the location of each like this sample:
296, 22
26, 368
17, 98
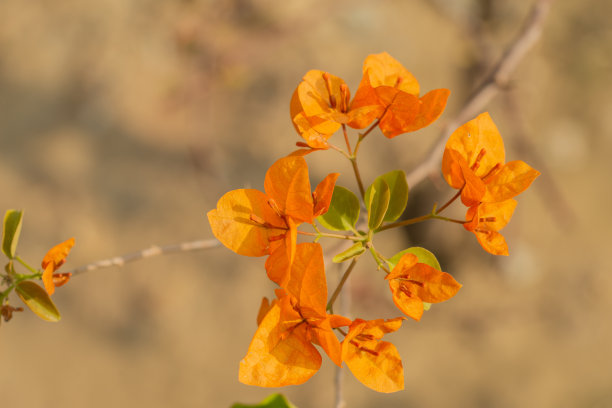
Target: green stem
334, 296
407, 222
369, 130
449, 202
346, 139
336, 148
327, 235
357, 175
28, 267
380, 262
16, 278
437, 217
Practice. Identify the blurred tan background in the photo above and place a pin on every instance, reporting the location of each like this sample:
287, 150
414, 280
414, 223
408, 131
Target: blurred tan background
123, 121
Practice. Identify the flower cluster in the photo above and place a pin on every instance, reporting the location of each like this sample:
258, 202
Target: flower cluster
300, 319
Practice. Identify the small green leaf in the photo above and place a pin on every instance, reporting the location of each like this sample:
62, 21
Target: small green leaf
37, 299
343, 211
10, 232
398, 187
424, 256
352, 252
377, 202
272, 401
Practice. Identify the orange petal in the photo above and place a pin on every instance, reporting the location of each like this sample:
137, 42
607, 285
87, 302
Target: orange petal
490, 216
57, 255
323, 194
264, 308
47, 278
276, 358
474, 189
325, 337
511, 180
307, 278
380, 370
366, 105
479, 141
414, 283
231, 222
287, 183
315, 130
320, 94
376, 364
452, 168
383, 69
493, 242
408, 113
338, 321
278, 264
408, 302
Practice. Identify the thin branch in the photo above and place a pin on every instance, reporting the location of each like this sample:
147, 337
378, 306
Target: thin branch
497, 80
339, 389
147, 253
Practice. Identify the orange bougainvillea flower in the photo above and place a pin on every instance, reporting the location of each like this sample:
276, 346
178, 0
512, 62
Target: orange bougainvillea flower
486, 219
474, 161
253, 223
51, 263
413, 283
377, 364
390, 93
320, 104
282, 351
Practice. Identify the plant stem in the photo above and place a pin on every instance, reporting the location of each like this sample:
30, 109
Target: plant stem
327, 235
357, 175
407, 222
334, 296
28, 267
449, 202
346, 139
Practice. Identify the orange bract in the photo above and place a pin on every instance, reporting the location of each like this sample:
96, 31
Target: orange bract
413, 283
474, 163
319, 106
486, 219
388, 92
253, 223
51, 262
282, 352
377, 364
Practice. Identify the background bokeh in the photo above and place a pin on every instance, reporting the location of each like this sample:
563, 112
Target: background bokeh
123, 121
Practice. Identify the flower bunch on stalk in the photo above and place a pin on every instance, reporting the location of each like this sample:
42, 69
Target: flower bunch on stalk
300, 320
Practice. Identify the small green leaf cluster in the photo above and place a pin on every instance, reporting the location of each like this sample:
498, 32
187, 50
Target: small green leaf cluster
33, 295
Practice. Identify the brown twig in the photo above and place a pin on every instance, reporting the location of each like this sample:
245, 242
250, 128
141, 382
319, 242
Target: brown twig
493, 83
147, 253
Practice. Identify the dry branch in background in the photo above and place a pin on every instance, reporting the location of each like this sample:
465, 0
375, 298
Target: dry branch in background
153, 250
497, 80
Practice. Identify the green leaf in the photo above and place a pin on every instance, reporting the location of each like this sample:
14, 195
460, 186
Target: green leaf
352, 252
343, 211
377, 202
37, 299
10, 232
398, 187
423, 255
272, 401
